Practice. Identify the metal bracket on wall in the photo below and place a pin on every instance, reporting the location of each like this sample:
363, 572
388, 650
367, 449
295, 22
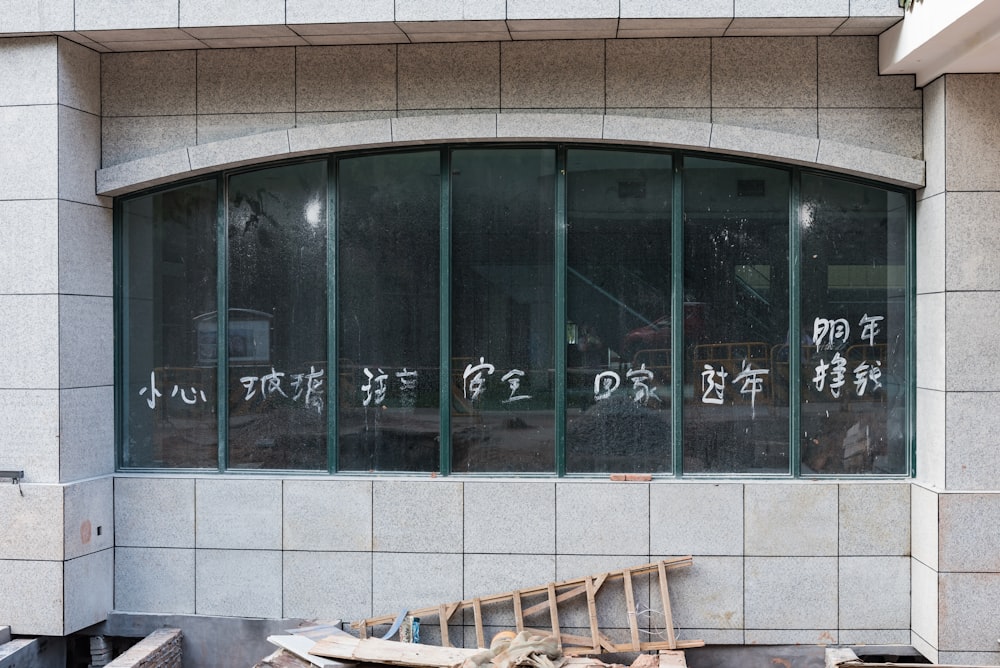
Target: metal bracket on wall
15, 478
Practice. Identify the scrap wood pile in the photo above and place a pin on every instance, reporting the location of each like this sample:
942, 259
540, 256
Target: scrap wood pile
527, 646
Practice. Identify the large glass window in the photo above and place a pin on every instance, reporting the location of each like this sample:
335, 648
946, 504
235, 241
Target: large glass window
736, 317
169, 363
853, 327
519, 309
277, 318
502, 310
618, 329
387, 285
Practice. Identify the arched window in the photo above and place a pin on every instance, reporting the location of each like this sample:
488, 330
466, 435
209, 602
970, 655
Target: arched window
530, 309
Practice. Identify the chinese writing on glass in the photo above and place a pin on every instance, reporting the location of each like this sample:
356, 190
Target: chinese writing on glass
828, 336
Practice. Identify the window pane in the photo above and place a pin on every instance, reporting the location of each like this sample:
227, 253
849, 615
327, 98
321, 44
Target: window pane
277, 318
618, 309
502, 310
389, 240
170, 289
853, 307
736, 317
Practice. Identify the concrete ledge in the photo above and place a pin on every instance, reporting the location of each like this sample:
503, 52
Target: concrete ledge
144, 24
482, 127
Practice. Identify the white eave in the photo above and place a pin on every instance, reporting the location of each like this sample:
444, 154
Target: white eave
943, 37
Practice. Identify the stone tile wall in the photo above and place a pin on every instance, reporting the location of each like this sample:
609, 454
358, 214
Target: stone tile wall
56, 396
774, 562
825, 88
955, 572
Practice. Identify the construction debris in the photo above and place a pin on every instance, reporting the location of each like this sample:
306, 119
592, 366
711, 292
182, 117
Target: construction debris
597, 642
327, 646
845, 656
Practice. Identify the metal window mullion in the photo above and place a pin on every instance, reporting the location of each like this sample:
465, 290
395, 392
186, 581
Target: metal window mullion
910, 362
561, 232
677, 316
222, 321
444, 314
794, 327
121, 315
332, 342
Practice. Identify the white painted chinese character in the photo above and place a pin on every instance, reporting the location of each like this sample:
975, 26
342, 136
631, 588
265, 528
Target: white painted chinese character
407, 387
832, 331
819, 379
375, 388
711, 386
870, 328
605, 383
838, 369
151, 401
753, 383
249, 382
311, 384
271, 382
513, 377
193, 400
640, 385
477, 385
865, 373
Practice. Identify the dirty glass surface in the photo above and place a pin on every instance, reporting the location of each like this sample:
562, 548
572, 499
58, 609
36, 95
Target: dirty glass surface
618, 277
170, 277
736, 317
277, 318
500, 254
854, 325
502, 375
389, 347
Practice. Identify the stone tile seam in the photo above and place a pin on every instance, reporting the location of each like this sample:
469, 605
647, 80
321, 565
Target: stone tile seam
209, 115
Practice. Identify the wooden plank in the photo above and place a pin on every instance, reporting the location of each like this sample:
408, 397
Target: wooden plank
583, 649
561, 598
668, 617
477, 611
376, 650
443, 621
592, 613
518, 614
661, 644
567, 639
300, 646
282, 658
633, 616
554, 613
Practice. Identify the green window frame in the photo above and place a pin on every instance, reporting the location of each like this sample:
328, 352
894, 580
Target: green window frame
680, 284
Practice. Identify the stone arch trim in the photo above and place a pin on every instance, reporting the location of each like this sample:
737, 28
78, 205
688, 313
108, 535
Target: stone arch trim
500, 127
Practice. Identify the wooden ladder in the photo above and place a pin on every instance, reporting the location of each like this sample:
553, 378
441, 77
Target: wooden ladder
560, 592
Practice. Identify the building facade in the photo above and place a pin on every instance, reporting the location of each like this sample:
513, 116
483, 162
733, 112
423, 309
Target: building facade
145, 141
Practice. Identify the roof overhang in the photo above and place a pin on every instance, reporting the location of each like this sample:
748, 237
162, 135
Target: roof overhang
943, 37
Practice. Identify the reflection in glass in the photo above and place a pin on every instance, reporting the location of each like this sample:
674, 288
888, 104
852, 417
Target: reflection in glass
853, 308
502, 310
170, 284
277, 318
736, 283
389, 243
618, 309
